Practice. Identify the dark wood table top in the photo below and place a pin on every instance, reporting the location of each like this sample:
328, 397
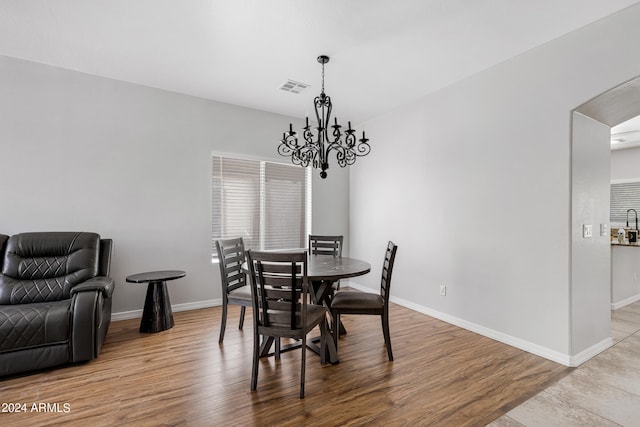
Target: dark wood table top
326, 267
155, 276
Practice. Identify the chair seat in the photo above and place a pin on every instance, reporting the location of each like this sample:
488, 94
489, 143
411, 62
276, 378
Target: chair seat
354, 300
242, 293
315, 314
33, 325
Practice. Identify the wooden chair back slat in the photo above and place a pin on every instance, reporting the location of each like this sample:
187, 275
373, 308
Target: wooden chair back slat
231, 257
279, 283
387, 269
325, 245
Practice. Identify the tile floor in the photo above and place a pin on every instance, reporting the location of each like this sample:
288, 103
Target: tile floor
605, 391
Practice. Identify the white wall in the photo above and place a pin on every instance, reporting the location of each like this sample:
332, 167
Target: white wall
132, 163
329, 214
625, 164
590, 257
473, 184
625, 275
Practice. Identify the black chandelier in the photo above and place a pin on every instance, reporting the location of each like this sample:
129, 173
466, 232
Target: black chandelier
315, 147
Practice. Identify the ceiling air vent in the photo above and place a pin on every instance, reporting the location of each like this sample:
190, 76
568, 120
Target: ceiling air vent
293, 86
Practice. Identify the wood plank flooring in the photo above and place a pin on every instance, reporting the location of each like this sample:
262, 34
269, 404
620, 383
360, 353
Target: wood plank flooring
442, 375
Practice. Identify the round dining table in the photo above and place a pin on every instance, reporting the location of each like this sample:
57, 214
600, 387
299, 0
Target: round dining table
323, 271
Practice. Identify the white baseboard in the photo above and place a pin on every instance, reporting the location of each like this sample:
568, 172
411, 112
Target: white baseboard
555, 356
136, 314
625, 302
592, 351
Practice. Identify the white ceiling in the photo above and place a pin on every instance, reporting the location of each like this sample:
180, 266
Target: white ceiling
384, 53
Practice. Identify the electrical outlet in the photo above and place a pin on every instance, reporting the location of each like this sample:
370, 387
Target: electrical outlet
587, 230
443, 290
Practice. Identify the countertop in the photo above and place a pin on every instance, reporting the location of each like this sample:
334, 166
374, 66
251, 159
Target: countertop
616, 243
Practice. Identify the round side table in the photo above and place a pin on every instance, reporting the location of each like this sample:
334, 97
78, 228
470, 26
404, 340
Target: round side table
157, 315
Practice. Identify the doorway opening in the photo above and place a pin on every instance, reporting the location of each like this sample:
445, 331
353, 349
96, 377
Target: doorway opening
590, 231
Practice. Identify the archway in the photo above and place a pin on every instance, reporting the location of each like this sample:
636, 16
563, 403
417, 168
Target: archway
590, 244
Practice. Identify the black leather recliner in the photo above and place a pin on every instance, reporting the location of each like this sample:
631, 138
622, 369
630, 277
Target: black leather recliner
55, 299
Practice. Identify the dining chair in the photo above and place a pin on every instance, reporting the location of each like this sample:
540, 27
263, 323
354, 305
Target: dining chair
280, 294
325, 245
331, 246
356, 302
235, 289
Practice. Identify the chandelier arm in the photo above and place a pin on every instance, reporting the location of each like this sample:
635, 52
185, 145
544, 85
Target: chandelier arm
316, 149
363, 147
288, 145
337, 135
305, 156
301, 153
350, 140
336, 146
341, 155
311, 146
308, 136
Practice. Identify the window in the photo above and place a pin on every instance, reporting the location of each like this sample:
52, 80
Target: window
268, 204
624, 195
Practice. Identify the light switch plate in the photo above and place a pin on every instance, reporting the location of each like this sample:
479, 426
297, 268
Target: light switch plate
604, 230
587, 230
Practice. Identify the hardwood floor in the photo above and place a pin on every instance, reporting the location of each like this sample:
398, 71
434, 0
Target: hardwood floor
442, 375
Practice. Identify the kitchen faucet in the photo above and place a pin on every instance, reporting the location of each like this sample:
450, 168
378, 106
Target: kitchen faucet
636, 213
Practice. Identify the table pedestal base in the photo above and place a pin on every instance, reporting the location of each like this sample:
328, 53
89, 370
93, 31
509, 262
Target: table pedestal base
157, 315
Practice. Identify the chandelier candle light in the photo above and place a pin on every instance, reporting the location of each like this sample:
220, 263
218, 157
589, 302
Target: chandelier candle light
314, 148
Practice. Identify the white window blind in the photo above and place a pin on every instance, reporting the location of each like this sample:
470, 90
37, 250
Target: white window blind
624, 195
265, 203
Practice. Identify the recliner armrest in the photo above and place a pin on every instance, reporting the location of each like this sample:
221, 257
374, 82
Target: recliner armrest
100, 283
